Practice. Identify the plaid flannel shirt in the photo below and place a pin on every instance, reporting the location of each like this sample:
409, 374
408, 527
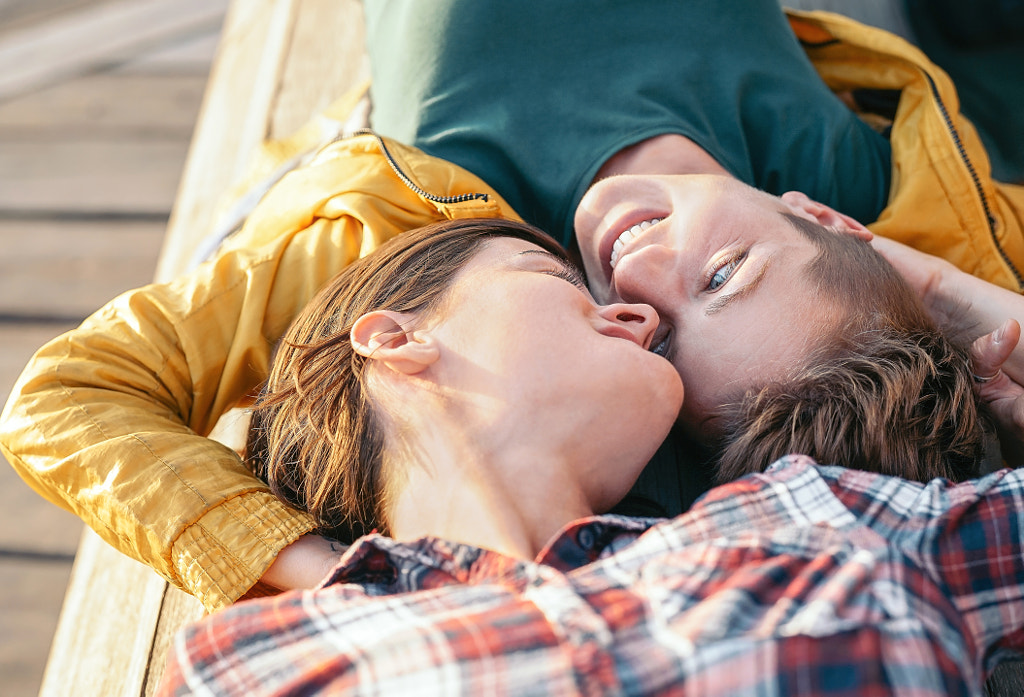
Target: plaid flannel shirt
805, 580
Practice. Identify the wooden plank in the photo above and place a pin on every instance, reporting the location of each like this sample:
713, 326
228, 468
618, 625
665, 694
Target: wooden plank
312, 53
233, 123
235, 112
104, 640
27, 620
15, 15
179, 609
194, 55
329, 43
272, 52
78, 42
33, 586
124, 106
90, 176
69, 269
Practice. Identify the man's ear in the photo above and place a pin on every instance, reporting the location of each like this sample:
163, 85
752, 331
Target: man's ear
381, 336
806, 207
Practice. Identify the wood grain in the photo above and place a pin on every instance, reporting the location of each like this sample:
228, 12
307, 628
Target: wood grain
233, 123
96, 36
104, 640
68, 269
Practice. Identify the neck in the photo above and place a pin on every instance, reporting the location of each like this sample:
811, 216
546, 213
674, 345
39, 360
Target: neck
510, 499
668, 153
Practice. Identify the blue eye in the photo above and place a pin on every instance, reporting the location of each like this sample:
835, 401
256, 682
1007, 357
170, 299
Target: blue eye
724, 272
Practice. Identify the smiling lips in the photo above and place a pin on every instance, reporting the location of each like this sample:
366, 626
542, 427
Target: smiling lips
627, 237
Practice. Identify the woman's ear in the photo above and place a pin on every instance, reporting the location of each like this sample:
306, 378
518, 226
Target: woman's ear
806, 207
382, 336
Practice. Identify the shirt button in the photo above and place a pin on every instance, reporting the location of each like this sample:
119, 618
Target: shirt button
586, 537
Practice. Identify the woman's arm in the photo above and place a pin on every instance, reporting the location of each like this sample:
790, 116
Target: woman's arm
304, 563
109, 421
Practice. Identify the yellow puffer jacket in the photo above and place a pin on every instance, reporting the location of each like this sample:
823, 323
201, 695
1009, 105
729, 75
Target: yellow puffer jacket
108, 420
943, 199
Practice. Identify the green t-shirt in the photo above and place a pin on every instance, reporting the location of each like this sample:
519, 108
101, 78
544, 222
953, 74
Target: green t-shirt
534, 97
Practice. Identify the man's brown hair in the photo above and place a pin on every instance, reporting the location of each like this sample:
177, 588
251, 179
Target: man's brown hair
316, 435
886, 392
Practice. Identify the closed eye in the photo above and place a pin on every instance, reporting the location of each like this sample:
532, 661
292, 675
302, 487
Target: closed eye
559, 268
570, 274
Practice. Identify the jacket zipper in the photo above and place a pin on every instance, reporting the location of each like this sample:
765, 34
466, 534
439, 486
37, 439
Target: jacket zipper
443, 200
990, 219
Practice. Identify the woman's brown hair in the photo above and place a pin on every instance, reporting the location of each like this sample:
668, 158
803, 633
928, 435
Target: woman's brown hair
316, 436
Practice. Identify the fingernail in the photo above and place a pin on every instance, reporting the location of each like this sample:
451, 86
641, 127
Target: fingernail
999, 334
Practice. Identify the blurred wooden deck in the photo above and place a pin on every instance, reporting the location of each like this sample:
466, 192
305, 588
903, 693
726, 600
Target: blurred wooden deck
98, 100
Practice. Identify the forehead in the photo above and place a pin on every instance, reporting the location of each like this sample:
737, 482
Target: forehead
724, 199
501, 252
491, 258
708, 213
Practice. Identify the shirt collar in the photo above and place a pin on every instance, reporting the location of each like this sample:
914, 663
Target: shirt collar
375, 560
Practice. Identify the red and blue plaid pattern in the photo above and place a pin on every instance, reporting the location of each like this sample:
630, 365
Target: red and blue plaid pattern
805, 580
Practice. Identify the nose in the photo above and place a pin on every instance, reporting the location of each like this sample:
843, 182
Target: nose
633, 321
646, 275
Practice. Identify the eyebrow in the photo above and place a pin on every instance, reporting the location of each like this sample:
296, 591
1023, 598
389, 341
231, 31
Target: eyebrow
719, 304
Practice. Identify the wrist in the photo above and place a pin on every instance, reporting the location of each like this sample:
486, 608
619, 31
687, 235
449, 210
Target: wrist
956, 301
303, 563
943, 294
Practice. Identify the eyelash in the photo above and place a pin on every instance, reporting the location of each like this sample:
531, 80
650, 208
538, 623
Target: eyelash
569, 274
732, 264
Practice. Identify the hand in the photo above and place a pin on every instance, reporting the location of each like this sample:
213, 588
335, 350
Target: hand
304, 563
962, 305
1004, 395
923, 272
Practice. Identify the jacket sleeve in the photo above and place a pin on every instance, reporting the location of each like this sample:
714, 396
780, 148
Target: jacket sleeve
109, 420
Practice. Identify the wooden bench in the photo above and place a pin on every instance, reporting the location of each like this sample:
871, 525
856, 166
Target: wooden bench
279, 62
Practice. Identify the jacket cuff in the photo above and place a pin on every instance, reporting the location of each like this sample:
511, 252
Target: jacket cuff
223, 554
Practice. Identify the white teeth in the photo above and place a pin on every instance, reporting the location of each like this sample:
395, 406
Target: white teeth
628, 236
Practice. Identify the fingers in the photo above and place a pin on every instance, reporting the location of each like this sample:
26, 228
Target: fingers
1009, 418
802, 204
989, 352
1004, 396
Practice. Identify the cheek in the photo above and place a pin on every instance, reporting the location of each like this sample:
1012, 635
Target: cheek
712, 370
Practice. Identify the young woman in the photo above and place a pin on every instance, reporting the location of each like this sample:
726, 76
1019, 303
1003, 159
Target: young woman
443, 366
461, 382
441, 385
